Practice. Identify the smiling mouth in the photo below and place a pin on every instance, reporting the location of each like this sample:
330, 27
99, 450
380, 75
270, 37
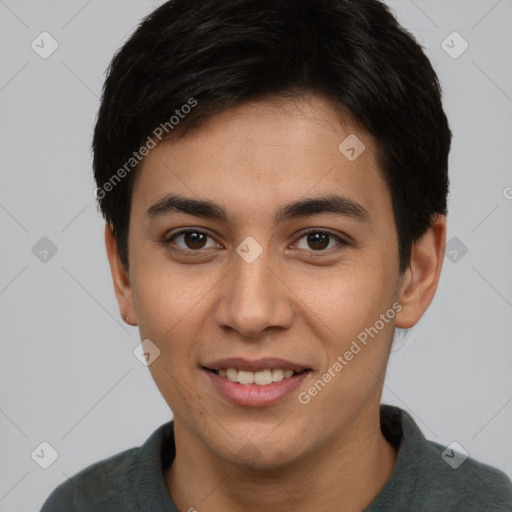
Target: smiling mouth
260, 378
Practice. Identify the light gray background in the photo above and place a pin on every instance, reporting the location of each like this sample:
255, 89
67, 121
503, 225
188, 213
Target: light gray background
68, 375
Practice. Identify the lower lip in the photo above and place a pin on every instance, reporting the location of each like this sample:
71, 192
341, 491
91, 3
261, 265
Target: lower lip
253, 395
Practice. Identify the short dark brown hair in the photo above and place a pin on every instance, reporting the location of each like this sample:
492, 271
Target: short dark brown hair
216, 54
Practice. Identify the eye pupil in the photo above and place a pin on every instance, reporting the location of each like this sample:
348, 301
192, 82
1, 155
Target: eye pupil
318, 241
194, 240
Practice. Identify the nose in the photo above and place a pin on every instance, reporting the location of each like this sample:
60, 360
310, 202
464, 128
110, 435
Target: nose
254, 297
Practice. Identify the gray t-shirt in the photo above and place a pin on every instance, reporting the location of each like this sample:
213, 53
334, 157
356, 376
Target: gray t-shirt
422, 479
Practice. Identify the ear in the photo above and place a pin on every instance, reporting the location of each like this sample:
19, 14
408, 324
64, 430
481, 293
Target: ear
120, 278
419, 282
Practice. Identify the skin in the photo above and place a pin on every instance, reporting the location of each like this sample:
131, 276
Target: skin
294, 301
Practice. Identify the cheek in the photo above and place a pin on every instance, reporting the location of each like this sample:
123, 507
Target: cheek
170, 313
348, 299
356, 345
346, 308
167, 297
173, 304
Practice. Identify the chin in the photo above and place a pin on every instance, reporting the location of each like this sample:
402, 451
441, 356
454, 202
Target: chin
263, 453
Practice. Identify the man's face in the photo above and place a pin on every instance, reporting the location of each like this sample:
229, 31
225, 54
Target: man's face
210, 294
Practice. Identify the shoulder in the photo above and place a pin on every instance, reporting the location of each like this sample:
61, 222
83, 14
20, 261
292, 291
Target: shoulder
429, 477
467, 483
104, 483
121, 482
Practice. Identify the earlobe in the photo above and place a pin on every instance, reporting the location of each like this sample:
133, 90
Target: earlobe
420, 280
120, 279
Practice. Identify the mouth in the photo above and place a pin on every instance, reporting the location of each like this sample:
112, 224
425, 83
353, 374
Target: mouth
255, 383
260, 378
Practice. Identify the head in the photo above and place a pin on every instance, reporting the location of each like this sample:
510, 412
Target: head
304, 147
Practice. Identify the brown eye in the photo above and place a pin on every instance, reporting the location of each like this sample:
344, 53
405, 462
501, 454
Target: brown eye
192, 240
320, 241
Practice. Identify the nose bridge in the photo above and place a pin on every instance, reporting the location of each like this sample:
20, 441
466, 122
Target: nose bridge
253, 286
253, 298
253, 277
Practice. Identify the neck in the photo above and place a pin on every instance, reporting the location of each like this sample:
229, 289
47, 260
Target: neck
346, 474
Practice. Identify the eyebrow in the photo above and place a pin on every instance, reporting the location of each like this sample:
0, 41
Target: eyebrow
303, 207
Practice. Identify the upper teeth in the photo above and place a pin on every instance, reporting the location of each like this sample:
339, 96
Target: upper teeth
261, 378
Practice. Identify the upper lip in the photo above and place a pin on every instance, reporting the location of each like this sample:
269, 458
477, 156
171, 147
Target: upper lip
255, 365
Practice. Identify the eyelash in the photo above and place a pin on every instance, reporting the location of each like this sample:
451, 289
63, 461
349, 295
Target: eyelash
167, 242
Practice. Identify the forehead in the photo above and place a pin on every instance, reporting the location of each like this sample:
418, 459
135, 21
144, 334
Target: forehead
265, 153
